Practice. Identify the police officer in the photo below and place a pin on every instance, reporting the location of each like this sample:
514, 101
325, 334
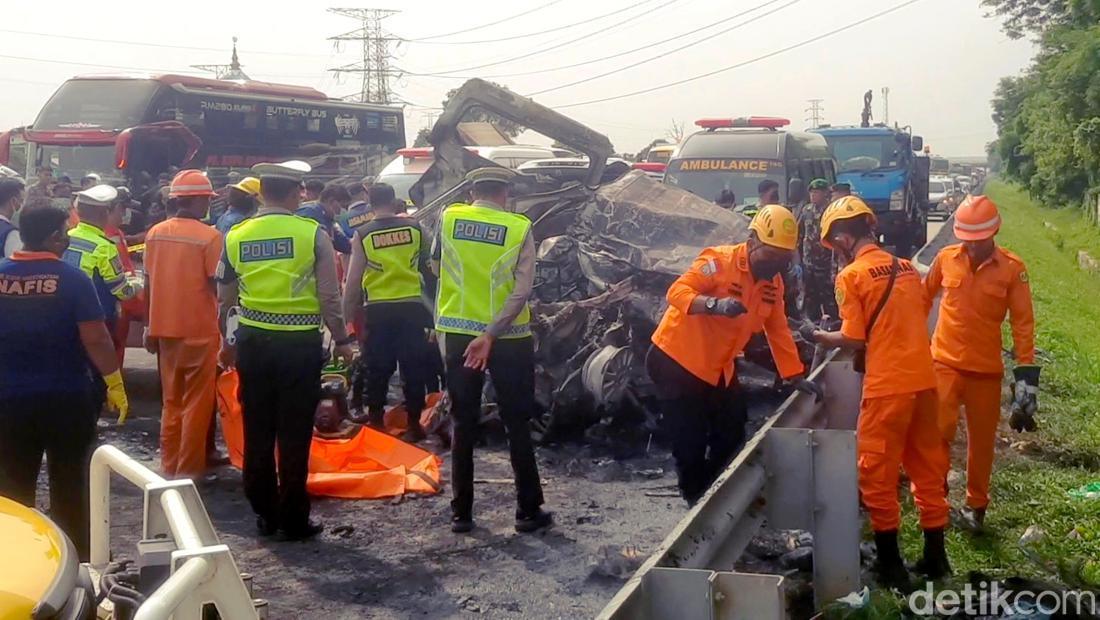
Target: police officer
281, 270
92, 251
485, 258
387, 260
56, 348
818, 271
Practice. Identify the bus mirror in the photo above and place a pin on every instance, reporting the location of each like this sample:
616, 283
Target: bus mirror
796, 191
918, 144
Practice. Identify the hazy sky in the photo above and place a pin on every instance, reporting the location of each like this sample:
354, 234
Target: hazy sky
941, 59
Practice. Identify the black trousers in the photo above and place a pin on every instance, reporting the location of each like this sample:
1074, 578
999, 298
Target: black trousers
706, 423
280, 387
512, 367
63, 427
396, 337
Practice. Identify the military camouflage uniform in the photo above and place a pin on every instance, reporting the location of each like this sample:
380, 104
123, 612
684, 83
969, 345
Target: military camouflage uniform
818, 267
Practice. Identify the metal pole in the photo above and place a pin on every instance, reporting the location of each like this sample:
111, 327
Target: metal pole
183, 530
163, 603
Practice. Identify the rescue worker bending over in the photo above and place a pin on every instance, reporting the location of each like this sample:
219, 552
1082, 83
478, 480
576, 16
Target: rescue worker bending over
91, 251
884, 310
55, 350
387, 261
729, 293
485, 258
981, 283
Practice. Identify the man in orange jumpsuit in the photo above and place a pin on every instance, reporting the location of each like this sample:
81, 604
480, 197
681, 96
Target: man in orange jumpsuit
181, 258
884, 310
730, 293
981, 283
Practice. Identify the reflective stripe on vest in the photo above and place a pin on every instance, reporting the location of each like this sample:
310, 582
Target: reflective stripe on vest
273, 256
393, 264
479, 248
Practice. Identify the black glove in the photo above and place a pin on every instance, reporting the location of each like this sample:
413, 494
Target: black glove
727, 306
1025, 399
806, 329
809, 387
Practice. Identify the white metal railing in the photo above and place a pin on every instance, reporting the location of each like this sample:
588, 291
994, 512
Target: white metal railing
202, 568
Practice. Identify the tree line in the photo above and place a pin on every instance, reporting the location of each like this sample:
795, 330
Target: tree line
1048, 118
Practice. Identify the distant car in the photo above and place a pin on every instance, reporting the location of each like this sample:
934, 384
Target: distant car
40, 576
566, 169
940, 195
405, 170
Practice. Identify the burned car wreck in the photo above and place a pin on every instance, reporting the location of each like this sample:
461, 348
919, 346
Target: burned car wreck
607, 253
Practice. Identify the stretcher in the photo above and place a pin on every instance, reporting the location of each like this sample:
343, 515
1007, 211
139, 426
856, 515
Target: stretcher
368, 465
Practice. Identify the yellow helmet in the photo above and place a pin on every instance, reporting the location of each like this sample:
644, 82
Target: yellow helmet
248, 185
775, 225
844, 208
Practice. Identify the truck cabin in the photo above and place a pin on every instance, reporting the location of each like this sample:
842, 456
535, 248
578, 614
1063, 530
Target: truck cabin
735, 155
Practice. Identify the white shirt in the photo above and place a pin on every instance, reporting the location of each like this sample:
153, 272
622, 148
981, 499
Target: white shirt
14, 242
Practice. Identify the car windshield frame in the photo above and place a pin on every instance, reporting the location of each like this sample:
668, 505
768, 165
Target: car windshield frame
742, 184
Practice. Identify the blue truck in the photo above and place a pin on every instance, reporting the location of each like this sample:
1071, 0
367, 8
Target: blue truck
886, 168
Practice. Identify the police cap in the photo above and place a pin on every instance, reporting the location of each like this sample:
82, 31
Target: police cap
293, 170
101, 195
490, 174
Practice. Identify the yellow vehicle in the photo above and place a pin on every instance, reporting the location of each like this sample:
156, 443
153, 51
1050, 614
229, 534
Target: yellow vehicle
40, 575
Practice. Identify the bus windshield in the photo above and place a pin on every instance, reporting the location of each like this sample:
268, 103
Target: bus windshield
97, 104
863, 153
709, 184
76, 161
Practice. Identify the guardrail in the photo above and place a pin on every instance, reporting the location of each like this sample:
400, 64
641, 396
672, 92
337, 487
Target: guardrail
202, 569
797, 472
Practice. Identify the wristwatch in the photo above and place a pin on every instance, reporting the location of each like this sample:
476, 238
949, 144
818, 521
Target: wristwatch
711, 303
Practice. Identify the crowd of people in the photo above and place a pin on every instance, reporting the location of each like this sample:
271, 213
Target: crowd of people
252, 276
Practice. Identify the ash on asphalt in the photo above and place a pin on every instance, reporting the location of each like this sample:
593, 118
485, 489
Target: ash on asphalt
399, 559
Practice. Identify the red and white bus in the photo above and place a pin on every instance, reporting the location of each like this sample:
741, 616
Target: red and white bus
133, 128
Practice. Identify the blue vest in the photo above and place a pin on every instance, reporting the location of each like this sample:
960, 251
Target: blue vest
6, 229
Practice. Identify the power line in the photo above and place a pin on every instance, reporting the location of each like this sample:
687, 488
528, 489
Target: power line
647, 46
499, 21
374, 66
95, 65
816, 112
539, 33
555, 46
670, 52
145, 44
745, 63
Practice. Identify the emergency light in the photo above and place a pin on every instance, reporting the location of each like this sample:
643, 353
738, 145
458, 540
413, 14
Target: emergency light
649, 166
413, 153
759, 122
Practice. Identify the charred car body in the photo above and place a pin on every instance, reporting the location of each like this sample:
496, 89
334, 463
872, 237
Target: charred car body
607, 253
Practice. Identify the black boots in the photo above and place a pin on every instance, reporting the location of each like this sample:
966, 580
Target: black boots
889, 570
934, 564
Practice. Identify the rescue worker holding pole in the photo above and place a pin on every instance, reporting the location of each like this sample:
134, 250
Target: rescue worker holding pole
729, 293
96, 255
281, 269
485, 259
56, 346
388, 259
181, 260
884, 310
981, 283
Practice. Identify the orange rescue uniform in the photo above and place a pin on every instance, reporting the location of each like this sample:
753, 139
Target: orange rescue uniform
706, 345
966, 348
898, 414
181, 257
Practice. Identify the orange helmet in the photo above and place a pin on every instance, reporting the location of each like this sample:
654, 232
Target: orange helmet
976, 219
190, 183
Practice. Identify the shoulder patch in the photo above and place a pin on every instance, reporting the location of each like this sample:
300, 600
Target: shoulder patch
839, 293
116, 264
1023, 276
709, 268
